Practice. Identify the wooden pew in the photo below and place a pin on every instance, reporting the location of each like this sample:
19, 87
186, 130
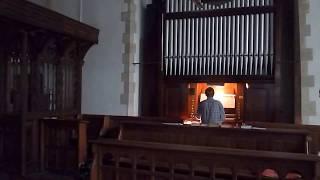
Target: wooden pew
128, 160
261, 148
100, 125
280, 140
313, 129
107, 126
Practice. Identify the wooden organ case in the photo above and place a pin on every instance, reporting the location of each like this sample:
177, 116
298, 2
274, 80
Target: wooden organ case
231, 42
41, 58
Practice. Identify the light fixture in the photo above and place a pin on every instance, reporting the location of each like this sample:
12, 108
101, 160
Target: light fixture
247, 86
215, 84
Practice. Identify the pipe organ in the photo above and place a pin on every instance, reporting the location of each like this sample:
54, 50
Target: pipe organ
191, 42
235, 38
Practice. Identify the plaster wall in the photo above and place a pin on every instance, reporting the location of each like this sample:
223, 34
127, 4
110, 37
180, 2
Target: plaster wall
310, 60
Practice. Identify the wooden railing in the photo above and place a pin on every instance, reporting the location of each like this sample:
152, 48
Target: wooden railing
63, 145
133, 160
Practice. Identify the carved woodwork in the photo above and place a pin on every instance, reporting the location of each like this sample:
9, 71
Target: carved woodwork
161, 151
146, 160
41, 58
63, 145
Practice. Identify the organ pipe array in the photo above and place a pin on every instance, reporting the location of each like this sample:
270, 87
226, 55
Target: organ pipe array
235, 38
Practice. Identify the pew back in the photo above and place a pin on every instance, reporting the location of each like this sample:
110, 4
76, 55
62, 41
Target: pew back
313, 129
280, 140
99, 125
147, 160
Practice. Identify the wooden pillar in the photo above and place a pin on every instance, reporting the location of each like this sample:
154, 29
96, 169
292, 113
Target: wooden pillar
2, 76
24, 99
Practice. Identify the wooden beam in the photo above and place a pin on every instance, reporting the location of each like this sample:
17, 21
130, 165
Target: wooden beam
220, 12
35, 15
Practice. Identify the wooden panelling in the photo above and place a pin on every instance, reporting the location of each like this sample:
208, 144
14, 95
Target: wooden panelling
151, 62
176, 100
63, 145
10, 144
258, 104
41, 57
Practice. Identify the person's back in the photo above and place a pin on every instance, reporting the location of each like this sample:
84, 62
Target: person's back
210, 110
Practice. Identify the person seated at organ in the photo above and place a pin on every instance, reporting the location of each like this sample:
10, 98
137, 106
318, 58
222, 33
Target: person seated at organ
211, 111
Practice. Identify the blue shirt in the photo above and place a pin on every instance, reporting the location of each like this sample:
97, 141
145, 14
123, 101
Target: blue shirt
211, 111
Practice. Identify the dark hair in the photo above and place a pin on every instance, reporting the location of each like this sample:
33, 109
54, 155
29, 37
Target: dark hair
209, 92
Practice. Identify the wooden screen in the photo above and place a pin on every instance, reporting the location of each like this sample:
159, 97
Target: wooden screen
52, 68
234, 39
41, 58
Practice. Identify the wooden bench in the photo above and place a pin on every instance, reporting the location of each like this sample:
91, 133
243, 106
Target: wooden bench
313, 129
128, 160
280, 140
99, 125
109, 126
147, 150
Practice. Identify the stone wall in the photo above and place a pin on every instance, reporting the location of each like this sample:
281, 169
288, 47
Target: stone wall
310, 60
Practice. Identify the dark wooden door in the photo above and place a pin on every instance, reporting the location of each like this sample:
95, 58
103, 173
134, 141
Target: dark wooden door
175, 100
258, 104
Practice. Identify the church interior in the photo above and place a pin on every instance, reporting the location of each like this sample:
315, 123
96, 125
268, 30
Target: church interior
111, 90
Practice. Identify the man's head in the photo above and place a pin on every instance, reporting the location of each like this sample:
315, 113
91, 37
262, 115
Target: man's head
209, 92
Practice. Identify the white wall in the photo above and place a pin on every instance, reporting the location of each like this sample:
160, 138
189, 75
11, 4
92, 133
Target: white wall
43, 3
70, 8
310, 60
102, 84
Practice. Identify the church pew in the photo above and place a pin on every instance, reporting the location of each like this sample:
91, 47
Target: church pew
281, 140
101, 125
108, 126
313, 129
128, 160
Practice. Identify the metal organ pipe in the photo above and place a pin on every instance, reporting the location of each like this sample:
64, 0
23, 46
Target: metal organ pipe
238, 44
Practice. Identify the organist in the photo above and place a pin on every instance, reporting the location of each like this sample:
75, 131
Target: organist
211, 111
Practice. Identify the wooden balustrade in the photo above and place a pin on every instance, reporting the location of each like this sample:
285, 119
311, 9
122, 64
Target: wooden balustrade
133, 160
63, 145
